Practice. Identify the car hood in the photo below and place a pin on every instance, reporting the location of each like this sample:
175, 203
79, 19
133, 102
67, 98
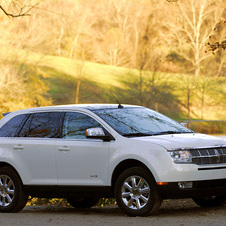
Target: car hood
190, 140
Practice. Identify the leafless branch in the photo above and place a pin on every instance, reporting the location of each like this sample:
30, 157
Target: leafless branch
21, 13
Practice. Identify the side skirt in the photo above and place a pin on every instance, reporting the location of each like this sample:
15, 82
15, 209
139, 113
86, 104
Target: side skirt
68, 191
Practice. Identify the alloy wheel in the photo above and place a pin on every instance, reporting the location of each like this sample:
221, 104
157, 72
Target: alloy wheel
7, 190
135, 192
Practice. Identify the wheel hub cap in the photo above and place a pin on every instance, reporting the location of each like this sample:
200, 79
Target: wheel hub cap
135, 194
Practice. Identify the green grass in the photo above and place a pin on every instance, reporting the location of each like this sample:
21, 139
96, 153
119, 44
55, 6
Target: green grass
61, 75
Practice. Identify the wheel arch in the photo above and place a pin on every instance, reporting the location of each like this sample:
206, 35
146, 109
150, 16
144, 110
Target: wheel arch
5, 164
124, 165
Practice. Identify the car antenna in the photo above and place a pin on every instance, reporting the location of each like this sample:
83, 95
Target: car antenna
119, 105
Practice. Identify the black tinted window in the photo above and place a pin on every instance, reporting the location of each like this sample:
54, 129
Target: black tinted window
11, 127
76, 124
25, 129
45, 124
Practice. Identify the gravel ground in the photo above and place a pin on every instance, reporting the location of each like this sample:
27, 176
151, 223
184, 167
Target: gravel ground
172, 212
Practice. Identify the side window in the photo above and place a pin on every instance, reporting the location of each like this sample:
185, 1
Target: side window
76, 124
10, 128
44, 124
25, 129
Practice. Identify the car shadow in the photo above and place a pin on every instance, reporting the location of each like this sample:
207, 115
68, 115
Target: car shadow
169, 208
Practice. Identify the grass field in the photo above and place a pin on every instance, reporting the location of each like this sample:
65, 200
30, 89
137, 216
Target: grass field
61, 76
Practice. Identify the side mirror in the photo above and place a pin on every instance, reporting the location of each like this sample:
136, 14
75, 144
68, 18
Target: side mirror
97, 133
184, 124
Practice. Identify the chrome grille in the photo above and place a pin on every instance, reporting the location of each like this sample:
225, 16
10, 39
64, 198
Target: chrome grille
203, 156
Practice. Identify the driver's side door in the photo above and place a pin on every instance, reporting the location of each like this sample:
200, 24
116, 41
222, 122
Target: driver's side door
81, 161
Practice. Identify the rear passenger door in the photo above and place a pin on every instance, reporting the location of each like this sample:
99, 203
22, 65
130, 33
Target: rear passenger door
35, 147
81, 161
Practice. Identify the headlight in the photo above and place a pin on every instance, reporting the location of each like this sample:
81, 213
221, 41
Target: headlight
181, 156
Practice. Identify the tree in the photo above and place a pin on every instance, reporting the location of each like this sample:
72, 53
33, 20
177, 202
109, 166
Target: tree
196, 23
8, 81
147, 57
80, 69
192, 24
113, 34
18, 8
21, 87
203, 87
219, 43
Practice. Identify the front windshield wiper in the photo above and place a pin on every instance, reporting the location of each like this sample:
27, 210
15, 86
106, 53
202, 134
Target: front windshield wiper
136, 134
171, 132
154, 134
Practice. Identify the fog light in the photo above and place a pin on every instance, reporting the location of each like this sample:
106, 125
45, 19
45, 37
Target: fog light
185, 185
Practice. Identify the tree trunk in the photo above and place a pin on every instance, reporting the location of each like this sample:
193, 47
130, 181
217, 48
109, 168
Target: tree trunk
141, 87
189, 105
77, 91
60, 40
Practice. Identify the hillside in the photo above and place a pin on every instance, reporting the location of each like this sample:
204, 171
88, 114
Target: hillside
60, 75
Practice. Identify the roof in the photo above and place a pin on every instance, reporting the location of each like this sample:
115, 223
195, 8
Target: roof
91, 107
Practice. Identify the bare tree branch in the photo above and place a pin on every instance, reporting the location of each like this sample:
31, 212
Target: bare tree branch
22, 12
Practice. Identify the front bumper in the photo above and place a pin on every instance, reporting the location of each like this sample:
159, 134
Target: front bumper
198, 189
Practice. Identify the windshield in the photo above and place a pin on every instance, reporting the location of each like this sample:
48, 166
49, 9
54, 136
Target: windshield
140, 121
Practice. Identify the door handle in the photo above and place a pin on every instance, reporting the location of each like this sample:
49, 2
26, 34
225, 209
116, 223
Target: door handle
18, 146
64, 148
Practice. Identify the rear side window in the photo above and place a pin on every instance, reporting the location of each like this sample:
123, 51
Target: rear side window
44, 124
11, 127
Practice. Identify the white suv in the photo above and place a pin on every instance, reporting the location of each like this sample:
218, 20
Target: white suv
84, 152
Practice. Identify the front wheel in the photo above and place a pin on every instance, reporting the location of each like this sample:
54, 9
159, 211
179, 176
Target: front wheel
12, 195
136, 192
83, 202
210, 201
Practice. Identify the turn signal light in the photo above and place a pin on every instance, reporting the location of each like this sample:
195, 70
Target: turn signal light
162, 183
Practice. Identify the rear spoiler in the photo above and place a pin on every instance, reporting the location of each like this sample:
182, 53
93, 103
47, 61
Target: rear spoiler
4, 114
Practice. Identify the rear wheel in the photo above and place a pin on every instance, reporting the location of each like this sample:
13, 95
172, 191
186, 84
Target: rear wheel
83, 202
210, 201
136, 192
12, 194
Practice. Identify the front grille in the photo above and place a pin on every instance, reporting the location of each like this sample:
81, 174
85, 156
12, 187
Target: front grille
203, 156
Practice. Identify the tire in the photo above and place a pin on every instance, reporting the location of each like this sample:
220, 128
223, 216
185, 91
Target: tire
210, 201
136, 192
12, 194
83, 202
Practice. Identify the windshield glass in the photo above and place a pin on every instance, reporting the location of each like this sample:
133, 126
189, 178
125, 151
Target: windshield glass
140, 121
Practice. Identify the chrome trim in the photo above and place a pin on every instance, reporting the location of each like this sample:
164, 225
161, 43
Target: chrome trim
212, 168
212, 155
53, 139
195, 148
